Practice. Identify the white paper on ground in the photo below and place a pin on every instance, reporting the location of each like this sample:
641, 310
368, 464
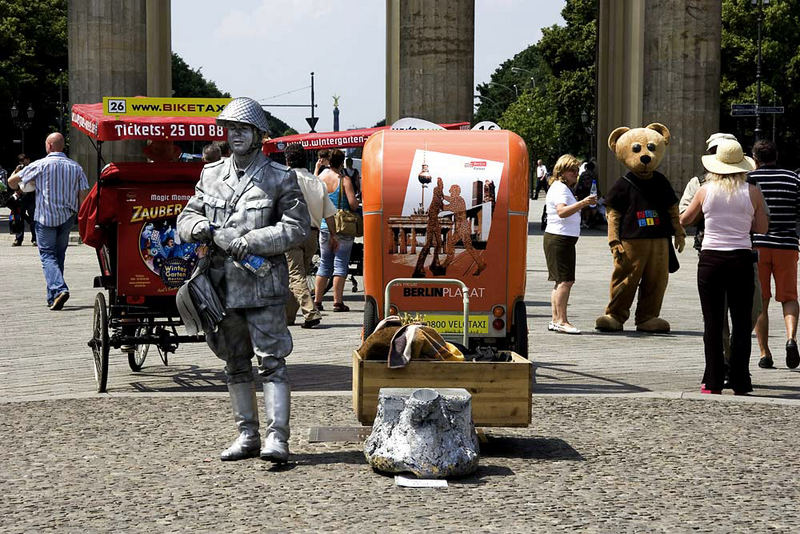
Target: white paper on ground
408, 482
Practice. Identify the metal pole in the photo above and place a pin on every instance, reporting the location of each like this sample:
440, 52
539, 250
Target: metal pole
758, 73
312, 102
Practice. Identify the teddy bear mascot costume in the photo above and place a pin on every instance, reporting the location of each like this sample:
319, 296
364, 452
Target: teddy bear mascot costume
252, 210
642, 211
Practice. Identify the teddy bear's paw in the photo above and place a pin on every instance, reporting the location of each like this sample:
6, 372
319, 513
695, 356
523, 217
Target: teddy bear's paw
656, 325
606, 323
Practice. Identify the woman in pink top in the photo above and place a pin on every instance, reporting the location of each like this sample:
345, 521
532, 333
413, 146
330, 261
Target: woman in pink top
732, 210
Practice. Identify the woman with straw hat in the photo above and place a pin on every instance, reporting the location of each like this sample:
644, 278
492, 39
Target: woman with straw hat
732, 210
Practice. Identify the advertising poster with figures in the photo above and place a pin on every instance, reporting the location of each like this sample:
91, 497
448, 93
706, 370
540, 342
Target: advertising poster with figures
443, 203
454, 219
152, 258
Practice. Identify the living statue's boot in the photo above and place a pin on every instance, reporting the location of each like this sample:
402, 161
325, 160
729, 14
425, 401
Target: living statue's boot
245, 413
277, 400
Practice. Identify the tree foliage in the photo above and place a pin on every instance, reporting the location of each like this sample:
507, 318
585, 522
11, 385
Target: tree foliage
547, 111
33, 67
564, 62
780, 71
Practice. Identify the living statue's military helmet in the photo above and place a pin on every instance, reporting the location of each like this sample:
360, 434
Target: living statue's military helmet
245, 110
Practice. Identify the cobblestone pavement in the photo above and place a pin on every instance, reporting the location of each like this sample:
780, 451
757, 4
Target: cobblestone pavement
44, 353
637, 449
586, 464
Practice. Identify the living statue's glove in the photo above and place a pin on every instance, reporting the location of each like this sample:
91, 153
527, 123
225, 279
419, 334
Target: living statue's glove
620, 257
238, 248
202, 232
680, 242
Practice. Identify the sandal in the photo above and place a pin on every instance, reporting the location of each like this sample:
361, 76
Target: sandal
340, 307
318, 305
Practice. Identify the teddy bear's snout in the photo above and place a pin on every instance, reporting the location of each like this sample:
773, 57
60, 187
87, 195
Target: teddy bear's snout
645, 159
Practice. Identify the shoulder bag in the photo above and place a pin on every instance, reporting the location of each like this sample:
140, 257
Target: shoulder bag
348, 224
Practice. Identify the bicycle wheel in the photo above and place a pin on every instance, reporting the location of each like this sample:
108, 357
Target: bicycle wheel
99, 342
137, 356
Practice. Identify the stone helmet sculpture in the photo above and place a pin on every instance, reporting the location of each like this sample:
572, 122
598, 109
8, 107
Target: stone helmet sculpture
244, 110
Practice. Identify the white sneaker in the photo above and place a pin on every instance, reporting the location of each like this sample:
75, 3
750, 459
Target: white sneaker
551, 326
566, 329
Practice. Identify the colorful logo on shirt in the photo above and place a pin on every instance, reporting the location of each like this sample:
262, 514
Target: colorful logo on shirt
647, 218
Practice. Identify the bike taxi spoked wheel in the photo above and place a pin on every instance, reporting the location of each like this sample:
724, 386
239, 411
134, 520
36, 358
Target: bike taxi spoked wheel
99, 342
137, 357
166, 343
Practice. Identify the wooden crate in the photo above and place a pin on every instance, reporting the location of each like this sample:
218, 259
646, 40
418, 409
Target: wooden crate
501, 391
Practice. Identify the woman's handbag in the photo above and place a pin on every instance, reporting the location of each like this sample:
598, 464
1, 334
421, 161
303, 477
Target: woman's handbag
674, 265
348, 224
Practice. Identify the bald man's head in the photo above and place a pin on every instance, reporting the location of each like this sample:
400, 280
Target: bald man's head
54, 143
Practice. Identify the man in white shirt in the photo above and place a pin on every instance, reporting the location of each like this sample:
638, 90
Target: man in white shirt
299, 258
541, 179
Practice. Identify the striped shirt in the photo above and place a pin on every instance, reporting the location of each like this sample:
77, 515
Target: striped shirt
781, 190
58, 181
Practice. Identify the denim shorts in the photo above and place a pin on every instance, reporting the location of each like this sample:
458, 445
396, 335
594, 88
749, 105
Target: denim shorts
331, 262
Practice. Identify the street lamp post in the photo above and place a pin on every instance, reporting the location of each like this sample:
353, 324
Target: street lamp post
517, 70
516, 94
760, 4
23, 122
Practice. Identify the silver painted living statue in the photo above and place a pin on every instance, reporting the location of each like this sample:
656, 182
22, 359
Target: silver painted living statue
253, 210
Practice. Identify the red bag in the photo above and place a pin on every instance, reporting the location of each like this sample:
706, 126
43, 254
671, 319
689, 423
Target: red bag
91, 232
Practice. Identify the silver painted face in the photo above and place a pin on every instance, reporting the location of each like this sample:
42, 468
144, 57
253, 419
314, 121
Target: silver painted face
240, 138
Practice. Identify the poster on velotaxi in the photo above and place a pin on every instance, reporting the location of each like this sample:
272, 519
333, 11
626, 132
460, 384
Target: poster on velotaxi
445, 215
152, 260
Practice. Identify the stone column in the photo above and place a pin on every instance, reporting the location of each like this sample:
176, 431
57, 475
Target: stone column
107, 57
668, 74
681, 88
159, 48
430, 59
620, 73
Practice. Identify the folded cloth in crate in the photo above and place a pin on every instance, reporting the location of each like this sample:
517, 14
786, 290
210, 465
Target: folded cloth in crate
398, 344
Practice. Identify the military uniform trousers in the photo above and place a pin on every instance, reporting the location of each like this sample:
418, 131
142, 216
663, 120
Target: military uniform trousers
246, 332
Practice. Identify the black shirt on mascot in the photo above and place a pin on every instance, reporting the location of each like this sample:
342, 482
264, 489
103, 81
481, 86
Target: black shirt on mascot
643, 218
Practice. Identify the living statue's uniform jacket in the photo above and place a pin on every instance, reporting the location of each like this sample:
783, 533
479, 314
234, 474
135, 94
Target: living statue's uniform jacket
272, 216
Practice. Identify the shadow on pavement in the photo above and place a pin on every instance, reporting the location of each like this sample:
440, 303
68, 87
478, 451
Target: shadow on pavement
352, 457
320, 377
194, 379
607, 385
783, 392
529, 448
189, 379
483, 472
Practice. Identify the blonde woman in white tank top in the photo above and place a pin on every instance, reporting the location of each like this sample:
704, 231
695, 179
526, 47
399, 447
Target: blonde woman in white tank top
732, 210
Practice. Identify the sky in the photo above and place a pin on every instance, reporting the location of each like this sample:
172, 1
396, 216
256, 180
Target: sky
266, 49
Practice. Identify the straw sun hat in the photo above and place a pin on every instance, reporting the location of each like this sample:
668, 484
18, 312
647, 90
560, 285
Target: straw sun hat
729, 159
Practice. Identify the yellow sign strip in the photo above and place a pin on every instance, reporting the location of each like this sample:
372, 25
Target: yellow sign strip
121, 106
454, 324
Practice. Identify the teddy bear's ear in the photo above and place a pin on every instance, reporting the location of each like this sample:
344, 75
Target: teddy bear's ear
660, 128
616, 134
